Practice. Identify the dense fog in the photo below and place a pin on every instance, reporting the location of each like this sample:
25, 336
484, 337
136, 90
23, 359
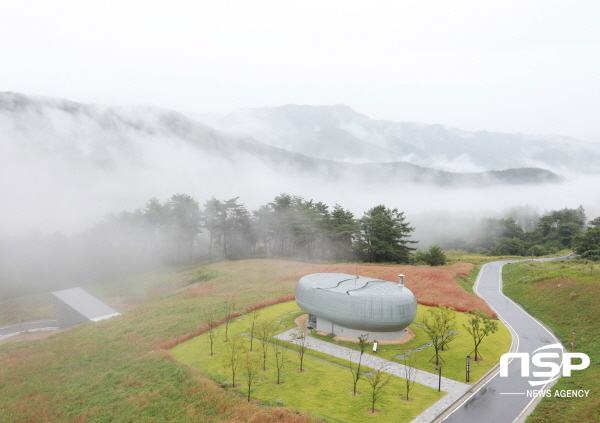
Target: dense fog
65, 166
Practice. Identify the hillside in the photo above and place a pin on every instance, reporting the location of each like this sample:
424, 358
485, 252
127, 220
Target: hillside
111, 139
563, 295
117, 369
63, 161
63, 165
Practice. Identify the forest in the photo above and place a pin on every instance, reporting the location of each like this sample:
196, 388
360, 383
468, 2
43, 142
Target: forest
526, 232
181, 231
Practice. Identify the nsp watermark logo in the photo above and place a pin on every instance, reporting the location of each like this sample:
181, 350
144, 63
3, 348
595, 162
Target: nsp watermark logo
538, 359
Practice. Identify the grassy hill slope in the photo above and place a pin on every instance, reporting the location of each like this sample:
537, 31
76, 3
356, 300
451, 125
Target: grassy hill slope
117, 370
564, 295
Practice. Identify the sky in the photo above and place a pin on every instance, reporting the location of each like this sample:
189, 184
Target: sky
510, 66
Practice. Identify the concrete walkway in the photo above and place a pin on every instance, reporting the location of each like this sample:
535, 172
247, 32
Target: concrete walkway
454, 390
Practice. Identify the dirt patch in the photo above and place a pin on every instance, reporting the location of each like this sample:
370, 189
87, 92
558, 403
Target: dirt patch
301, 320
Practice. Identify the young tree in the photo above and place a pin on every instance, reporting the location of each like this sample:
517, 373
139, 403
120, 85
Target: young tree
250, 368
234, 354
378, 381
410, 372
280, 353
229, 303
253, 322
301, 343
265, 331
211, 323
439, 325
356, 374
479, 326
435, 256
449, 328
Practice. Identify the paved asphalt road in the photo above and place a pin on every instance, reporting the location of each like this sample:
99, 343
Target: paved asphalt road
504, 399
7, 330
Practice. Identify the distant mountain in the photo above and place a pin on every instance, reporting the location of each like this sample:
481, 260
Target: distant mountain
63, 165
339, 133
129, 139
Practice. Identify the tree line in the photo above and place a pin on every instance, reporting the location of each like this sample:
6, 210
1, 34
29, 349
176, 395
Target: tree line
181, 229
525, 232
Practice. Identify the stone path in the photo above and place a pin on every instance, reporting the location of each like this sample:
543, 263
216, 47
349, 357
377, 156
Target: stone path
454, 390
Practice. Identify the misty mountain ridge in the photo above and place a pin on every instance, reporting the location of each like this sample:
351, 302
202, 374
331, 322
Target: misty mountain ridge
342, 134
111, 138
65, 164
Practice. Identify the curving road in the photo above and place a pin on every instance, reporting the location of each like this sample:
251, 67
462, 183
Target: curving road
9, 331
505, 399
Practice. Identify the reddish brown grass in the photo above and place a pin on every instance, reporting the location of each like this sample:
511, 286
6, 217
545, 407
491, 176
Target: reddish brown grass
433, 286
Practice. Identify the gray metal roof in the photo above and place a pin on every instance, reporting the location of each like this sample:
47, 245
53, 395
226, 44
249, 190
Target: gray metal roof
85, 304
357, 302
353, 285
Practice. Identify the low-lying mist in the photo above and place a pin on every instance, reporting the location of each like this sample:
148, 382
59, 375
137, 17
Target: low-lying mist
64, 166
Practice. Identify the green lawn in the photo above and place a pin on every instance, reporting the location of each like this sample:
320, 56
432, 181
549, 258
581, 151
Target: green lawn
323, 390
564, 295
491, 349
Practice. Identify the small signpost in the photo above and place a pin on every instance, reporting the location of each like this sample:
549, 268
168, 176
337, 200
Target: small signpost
468, 367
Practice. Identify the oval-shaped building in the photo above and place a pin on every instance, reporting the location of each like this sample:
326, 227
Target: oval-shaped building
349, 306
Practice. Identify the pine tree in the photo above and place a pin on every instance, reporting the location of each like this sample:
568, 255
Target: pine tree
384, 235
